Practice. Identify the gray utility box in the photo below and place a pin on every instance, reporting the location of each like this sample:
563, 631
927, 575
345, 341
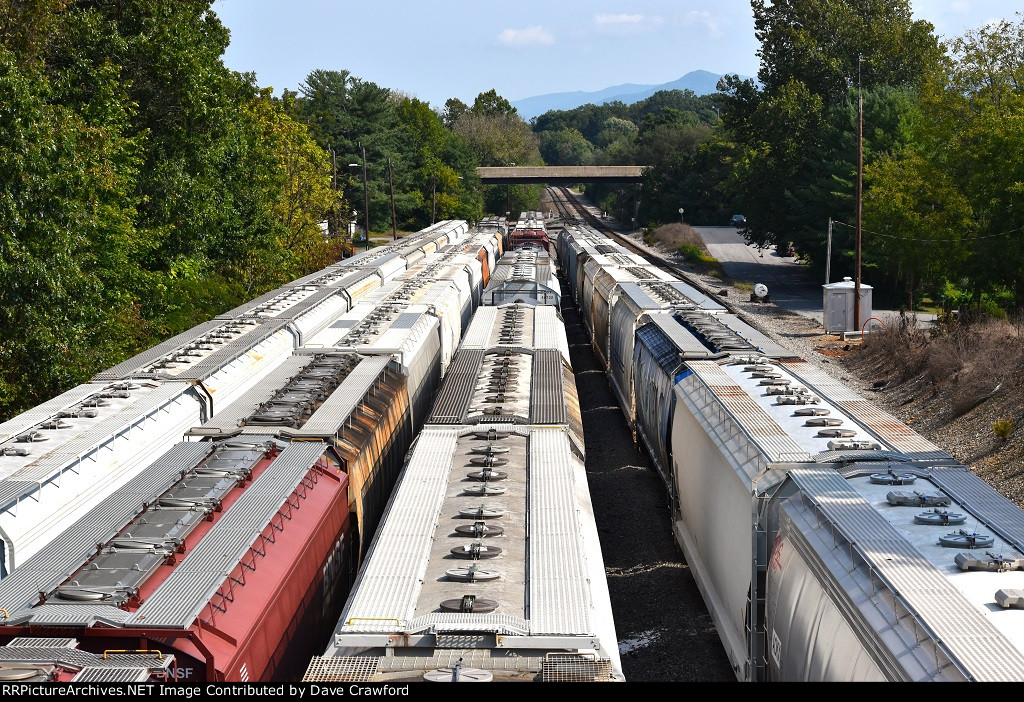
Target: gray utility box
839, 306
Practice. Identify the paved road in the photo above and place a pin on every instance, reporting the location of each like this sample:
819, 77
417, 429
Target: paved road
790, 284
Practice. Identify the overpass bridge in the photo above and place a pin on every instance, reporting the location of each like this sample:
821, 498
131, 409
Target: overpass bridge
559, 175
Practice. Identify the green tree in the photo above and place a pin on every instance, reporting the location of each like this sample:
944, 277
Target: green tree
432, 168
441, 175
973, 130
453, 109
771, 165
685, 101
820, 42
497, 136
195, 197
566, 147
300, 173
347, 114
665, 131
796, 164
490, 104
137, 181
825, 187
917, 224
587, 119
27, 27
684, 173
616, 129
67, 247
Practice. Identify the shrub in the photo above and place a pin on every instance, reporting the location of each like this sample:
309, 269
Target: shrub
972, 360
1002, 428
672, 236
692, 253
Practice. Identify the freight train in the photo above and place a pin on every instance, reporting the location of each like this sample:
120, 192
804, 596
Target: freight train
526, 274
829, 540
230, 553
64, 457
487, 564
530, 229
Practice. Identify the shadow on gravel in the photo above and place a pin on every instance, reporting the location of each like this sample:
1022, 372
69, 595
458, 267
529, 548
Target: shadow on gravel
665, 632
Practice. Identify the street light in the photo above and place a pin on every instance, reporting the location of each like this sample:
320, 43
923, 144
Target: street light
433, 196
366, 196
354, 222
394, 219
508, 189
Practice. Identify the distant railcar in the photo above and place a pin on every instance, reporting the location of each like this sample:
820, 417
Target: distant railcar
530, 229
527, 275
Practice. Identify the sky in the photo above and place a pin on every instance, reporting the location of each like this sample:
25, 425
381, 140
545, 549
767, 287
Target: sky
437, 49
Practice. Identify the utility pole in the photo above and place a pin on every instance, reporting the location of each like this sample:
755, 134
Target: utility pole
332, 222
391, 184
433, 197
508, 190
828, 254
860, 197
366, 200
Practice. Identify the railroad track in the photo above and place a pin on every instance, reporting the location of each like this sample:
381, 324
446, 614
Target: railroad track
569, 208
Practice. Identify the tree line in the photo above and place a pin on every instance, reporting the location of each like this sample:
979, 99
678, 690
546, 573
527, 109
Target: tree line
672, 132
943, 209
146, 187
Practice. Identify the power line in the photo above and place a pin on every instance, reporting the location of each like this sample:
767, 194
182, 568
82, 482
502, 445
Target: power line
937, 241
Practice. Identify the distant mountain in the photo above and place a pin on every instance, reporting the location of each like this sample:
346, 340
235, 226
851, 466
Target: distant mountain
700, 82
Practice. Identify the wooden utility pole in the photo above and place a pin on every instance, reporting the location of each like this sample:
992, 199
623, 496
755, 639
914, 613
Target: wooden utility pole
508, 208
433, 197
394, 219
860, 200
332, 216
366, 201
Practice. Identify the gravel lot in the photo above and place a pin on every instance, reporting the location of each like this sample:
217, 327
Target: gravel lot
665, 632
